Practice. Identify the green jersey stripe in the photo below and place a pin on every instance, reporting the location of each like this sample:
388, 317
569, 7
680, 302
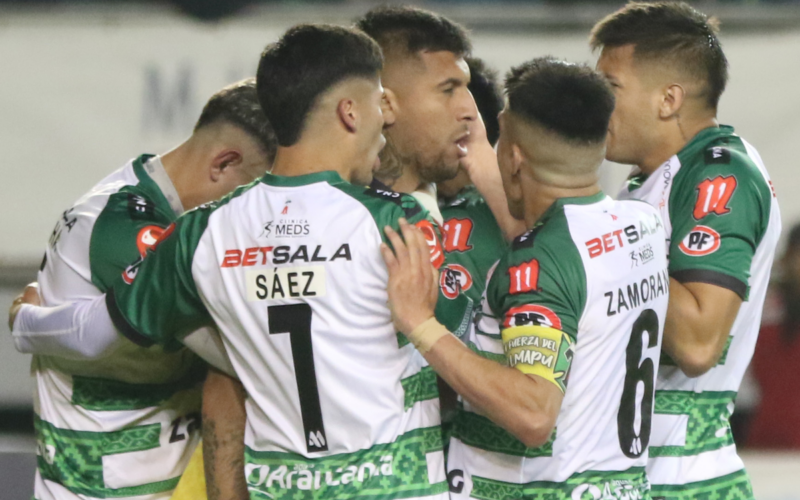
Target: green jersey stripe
97, 394
631, 484
480, 432
708, 427
420, 387
735, 486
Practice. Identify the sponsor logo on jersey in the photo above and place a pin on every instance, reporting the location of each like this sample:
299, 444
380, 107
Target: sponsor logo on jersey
713, 196
283, 254
130, 272
285, 283
702, 240
532, 315
140, 207
717, 155
525, 240
286, 228
409, 205
456, 234
524, 278
453, 279
66, 221
302, 476
455, 480
619, 238
148, 236
642, 255
638, 293
435, 244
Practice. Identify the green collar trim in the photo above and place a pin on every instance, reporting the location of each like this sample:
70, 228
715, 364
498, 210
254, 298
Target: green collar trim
328, 176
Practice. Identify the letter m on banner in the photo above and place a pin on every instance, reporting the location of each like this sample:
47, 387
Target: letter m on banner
713, 196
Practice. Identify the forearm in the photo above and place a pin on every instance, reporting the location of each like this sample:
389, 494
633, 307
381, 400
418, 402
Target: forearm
77, 330
223, 437
485, 175
696, 330
521, 404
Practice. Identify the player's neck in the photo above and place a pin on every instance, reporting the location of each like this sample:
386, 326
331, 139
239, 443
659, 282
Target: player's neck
302, 159
541, 197
678, 135
182, 178
408, 182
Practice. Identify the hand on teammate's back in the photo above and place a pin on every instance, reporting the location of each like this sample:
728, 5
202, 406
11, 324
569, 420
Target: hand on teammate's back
28, 296
413, 282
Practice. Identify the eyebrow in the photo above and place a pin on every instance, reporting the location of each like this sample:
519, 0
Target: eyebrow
456, 82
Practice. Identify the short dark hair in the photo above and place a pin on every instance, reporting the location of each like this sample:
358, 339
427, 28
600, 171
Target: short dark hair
484, 88
411, 30
673, 31
571, 100
308, 60
237, 104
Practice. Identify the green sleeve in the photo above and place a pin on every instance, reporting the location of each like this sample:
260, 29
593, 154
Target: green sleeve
541, 281
156, 299
129, 223
719, 214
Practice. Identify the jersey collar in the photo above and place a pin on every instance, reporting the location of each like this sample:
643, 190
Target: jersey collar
150, 172
577, 200
328, 176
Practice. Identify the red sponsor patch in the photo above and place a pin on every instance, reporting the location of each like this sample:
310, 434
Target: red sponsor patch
147, 238
435, 244
701, 240
532, 315
713, 196
524, 277
453, 279
456, 235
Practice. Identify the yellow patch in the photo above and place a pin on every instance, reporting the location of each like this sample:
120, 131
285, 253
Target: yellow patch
538, 350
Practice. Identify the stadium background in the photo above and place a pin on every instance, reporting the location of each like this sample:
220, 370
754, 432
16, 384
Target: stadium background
85, 86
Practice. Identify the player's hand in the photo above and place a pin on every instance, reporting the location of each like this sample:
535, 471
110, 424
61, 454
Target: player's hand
480, 153
413, 282
28, 296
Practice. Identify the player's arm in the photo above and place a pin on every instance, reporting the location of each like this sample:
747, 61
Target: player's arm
526, 405
699, 320
484, 172
715, 234
223, 437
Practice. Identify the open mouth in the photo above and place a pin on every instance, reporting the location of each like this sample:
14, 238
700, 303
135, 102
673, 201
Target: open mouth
461, 144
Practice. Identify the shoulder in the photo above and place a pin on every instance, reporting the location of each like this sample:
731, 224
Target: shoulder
385, 205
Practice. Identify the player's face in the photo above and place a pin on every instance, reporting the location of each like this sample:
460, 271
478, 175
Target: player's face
372, 139
505, 159
633, 125
433, 113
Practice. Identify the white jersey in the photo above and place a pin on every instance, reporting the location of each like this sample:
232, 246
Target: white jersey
124, 426
289, 268
579, 300
723, 222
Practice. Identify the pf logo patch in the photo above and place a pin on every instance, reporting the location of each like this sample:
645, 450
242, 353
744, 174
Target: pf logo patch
454, 278
532, 315
702, 240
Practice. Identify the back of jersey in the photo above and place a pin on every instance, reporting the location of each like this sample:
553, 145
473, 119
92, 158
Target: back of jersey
290, 270
580, 300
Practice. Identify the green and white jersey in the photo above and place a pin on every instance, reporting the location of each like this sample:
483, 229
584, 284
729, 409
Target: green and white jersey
722, 218
579, 300
472, 242
290, 270
124, 426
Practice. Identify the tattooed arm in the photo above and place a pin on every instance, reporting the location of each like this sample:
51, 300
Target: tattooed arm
223, 437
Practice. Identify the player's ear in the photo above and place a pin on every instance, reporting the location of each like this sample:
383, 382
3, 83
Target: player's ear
346, 111
389, 106
517, 160
224, 159
671, 101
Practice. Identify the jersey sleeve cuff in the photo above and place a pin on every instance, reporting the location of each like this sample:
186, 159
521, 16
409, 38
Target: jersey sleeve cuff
710, 277
122, 324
